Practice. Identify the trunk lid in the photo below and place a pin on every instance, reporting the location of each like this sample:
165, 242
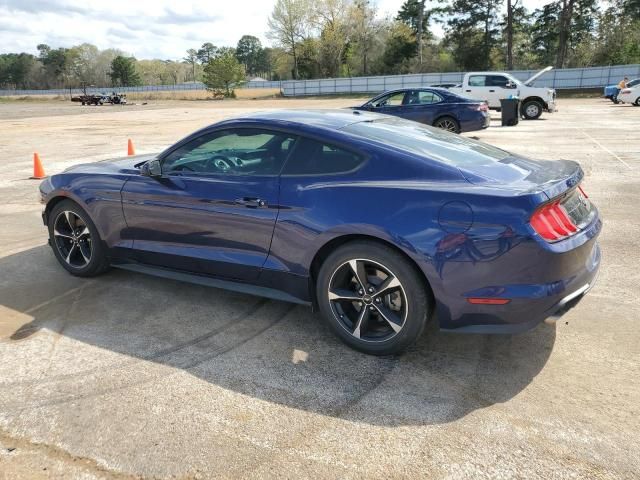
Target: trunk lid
524, 175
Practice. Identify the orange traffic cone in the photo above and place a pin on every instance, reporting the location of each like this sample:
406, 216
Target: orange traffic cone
130, 149
38, 171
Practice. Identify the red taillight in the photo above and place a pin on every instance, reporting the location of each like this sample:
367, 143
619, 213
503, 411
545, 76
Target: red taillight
626, 90
552, 222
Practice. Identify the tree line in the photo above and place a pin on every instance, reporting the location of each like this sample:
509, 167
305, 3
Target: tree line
335, 38
342, 38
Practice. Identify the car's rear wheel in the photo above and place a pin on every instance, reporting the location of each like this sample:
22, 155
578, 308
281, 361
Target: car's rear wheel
372, 297
449, 124
75, 240
637, 102
531, 110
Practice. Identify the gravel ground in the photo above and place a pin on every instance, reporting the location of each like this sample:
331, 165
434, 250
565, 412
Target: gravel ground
128, 376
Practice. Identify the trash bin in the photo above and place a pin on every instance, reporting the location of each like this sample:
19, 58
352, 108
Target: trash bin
510, 111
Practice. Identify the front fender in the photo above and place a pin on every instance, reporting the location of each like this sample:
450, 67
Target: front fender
98, 195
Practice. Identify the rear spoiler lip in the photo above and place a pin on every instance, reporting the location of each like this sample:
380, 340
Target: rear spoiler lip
564, 185
548, 190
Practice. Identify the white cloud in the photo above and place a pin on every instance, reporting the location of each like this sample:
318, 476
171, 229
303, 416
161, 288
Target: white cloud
145, 28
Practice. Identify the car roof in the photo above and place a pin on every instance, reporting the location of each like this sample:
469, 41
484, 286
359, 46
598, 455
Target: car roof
331, 119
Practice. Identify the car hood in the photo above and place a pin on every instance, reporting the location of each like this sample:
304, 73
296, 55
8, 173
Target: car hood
526, 175
538, 75
124, 165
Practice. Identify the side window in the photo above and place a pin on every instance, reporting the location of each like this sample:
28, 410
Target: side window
498, 81
393, 100
477, 81
420, 97
316, 158
240, 151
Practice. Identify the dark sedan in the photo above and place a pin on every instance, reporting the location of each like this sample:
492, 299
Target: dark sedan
379, 222
432, 106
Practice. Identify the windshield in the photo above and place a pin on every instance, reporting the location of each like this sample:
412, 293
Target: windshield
429, 142
633, 83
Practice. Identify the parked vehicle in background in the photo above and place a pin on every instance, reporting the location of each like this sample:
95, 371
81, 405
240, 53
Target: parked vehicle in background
630, 95
380, 222
495, 86
117, 98
611, 91
93, 99
445, 85
432, 106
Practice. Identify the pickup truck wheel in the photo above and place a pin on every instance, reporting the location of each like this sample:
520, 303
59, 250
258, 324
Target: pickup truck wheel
531, 110
449, 124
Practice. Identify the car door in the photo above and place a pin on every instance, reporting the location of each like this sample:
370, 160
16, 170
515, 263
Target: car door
423, 106
498, 88
214, 207
478, 88
390, 104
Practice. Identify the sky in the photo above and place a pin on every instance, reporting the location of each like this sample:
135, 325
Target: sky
162, 29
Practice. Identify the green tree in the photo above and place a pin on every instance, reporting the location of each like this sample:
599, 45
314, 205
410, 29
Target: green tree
365, 31
222, 73
207, 52
399, 48
249, 52
545, 33
472, 31
15, 68
123, 72
192, 60
289, 25
55, 62
331, 18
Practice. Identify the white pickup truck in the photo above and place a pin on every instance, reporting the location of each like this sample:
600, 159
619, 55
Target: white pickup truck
494, 86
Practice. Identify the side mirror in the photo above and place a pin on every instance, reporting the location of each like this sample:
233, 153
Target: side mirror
151, 169
510, 84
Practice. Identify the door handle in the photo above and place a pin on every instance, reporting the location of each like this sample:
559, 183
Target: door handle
251, 202
467, 90
492, 91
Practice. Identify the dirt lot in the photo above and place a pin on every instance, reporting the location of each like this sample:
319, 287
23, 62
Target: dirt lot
127, 376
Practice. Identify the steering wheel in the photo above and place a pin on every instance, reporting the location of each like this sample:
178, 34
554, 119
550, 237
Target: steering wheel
220, 162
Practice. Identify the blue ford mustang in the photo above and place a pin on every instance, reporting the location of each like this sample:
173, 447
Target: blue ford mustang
432, 106
379, 222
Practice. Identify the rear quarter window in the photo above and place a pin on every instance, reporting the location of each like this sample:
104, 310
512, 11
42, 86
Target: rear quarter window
311, 157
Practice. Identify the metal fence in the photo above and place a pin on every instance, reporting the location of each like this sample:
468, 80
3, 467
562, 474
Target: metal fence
568, 78
179, 87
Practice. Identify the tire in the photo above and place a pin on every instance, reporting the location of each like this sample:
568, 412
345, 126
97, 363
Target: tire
531, 110
396, 295
637, 102
447, 123
75, 240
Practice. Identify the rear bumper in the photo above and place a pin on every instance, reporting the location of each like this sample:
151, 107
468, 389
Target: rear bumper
573, 274
479, 122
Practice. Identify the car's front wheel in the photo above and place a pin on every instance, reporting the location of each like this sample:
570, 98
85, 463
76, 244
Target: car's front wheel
75, 240
373, 298
532, 110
